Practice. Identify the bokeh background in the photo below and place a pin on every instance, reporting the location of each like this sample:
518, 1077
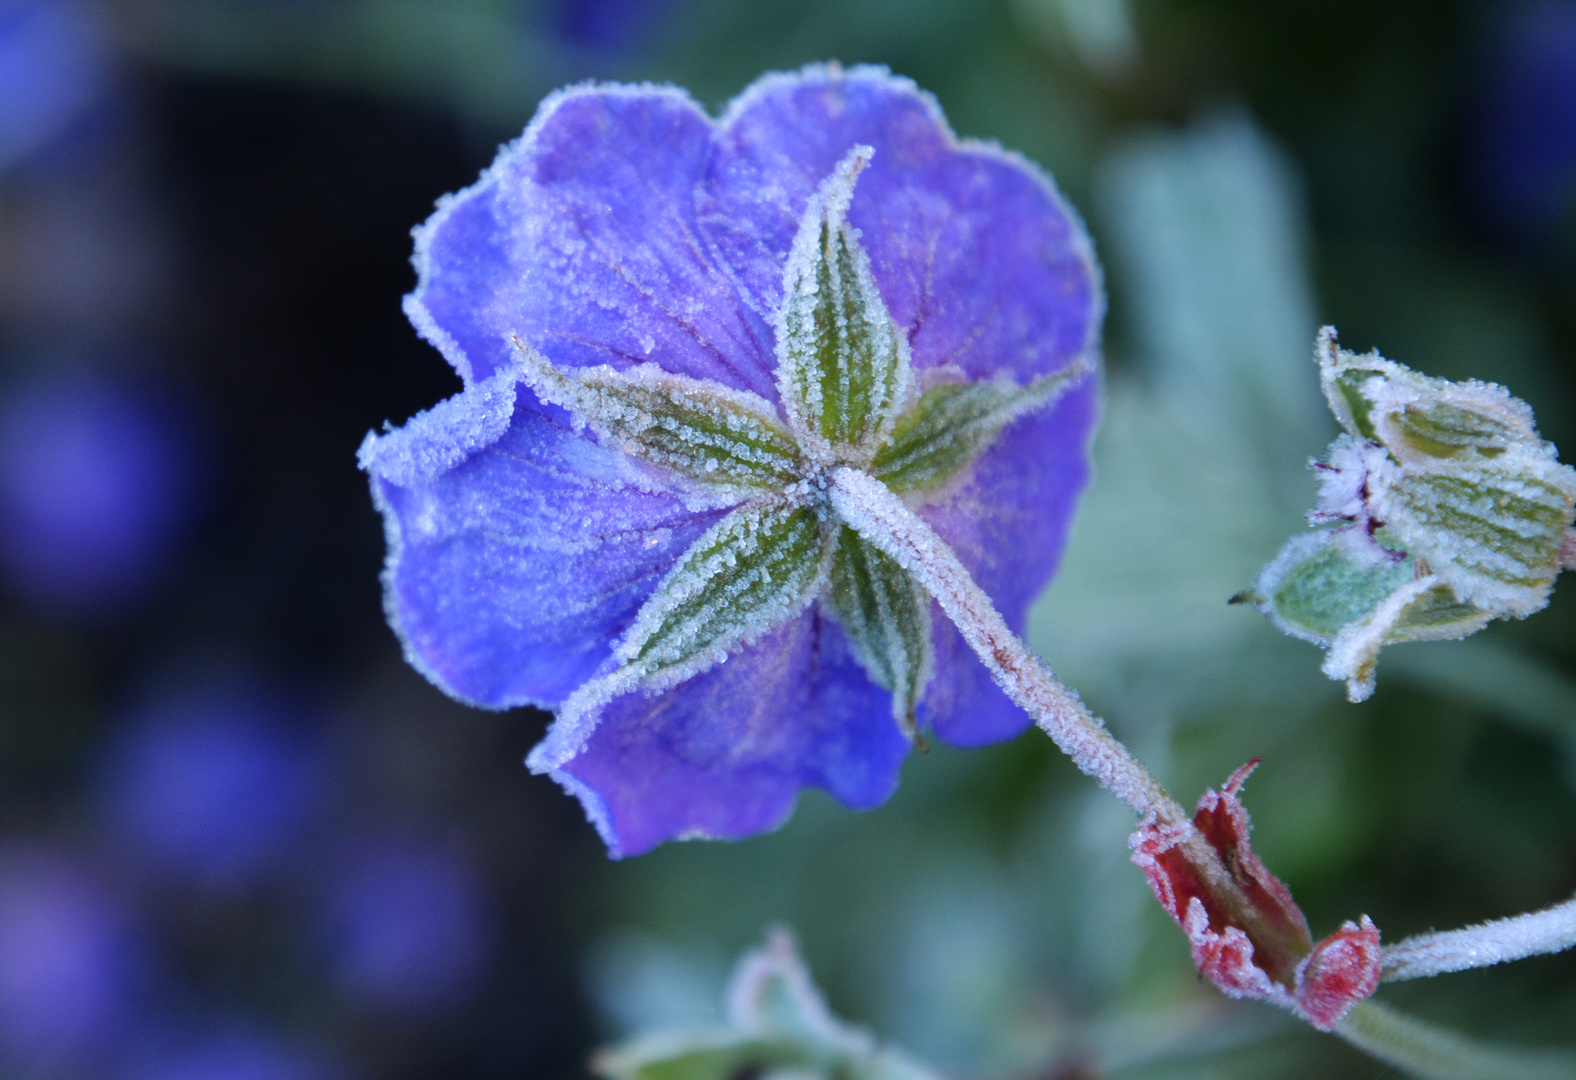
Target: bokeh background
239, 839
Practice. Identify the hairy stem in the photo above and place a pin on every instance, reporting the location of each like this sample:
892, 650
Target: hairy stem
1548, 931
1423, 1050
883, 519
886, 522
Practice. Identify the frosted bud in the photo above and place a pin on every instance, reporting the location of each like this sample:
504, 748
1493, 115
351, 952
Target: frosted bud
1252, 941
1440, 509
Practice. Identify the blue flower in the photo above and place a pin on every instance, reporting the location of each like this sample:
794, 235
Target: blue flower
673, 332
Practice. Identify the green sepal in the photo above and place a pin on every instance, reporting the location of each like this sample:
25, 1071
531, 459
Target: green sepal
1317, 586
1493, 532
755, 569
842, 362
952, 423
887, 617
1344, 592
694, 427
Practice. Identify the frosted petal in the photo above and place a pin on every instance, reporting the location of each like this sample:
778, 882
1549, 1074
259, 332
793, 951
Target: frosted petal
724, 754
702, 430
842, 365
537, 249
513, 566
976, 256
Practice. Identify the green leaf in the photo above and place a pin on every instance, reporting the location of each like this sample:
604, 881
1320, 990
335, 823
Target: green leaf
752, 571
693, 427
843, 366
887, 617
953, 423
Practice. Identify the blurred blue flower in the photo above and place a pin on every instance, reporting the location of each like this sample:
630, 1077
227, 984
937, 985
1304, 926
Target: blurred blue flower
211, 780
627, 231
610, 26
96, 483
407, 924
1522, 143
234, 1053
52, 69
68, 963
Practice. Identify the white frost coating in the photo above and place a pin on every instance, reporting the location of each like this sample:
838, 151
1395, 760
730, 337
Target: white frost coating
1355, 651
1551, 930
867, 345
433, 442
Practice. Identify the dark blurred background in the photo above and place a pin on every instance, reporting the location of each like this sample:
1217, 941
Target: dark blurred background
240, 839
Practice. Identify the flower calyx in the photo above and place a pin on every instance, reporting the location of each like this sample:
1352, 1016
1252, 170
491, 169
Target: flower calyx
1253, 943
1440, 509
848, 398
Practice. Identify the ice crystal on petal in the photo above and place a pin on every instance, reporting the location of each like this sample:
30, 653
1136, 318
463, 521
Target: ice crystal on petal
1440, 509
1264, 950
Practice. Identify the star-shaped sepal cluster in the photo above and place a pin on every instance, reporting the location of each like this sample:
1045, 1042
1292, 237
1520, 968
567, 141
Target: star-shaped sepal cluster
848, 399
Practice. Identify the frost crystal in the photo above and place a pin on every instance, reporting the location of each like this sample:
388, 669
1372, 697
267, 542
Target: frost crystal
1440, 509
674, 332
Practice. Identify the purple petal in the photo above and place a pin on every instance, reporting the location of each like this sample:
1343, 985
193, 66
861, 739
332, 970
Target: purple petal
511, 570
724, 755
1008, 522
540, 248
976, 255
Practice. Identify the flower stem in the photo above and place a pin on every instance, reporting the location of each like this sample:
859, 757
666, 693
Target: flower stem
1548, 931
1433, 1053
885, 521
